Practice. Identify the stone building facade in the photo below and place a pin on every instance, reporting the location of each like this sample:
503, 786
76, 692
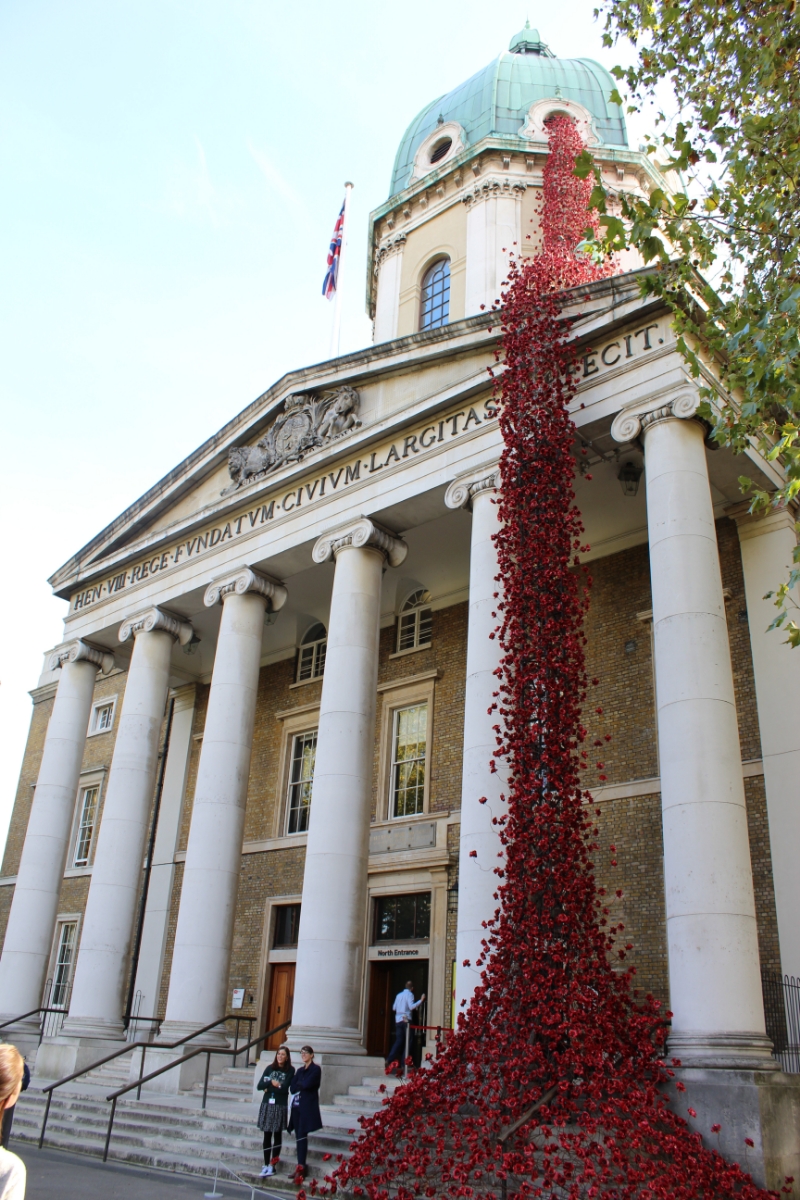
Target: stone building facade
255, 762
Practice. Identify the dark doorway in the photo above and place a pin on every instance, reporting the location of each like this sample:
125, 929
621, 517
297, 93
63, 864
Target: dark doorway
386, 979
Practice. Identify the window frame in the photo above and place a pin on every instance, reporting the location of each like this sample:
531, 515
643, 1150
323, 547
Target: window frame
381, 897
441, 259
291, 783
97, 706
63, 920
319, 650
88, 780
304, 718
417, 610
396, 763
83, 791
395, 696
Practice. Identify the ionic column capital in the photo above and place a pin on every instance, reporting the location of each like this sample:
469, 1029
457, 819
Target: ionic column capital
243, 581
462, 492
154, 620
80, 651
358, 535
628, 424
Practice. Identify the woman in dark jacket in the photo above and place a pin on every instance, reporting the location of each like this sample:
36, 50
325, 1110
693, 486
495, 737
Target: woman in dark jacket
272, 1115
304, 1115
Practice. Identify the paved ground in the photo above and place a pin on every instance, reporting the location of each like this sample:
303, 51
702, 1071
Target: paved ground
53, 1175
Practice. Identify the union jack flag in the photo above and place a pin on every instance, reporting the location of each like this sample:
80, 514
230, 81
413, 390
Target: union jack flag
334, 254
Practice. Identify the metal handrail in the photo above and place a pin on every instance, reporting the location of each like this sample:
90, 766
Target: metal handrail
207, 1050
126, 1048
45, 1008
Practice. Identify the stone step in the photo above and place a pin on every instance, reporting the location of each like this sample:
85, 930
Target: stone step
359, 1104
176, 1137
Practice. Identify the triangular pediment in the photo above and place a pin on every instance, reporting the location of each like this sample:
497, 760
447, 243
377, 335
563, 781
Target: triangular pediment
309, 418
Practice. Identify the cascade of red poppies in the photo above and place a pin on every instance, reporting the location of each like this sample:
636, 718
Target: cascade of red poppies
552, 1084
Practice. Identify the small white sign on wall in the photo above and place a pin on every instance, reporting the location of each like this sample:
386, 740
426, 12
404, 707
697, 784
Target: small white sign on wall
238, 998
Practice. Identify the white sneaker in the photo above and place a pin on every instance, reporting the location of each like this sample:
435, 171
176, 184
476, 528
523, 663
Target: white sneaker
267, 1170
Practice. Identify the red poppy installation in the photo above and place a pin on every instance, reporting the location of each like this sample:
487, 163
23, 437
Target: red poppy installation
552, 1084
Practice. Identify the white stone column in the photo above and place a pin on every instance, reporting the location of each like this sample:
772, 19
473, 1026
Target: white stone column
32, 920
162, 868
101, 970
767, 544
387, 289
477, 881
494, 225
715, 985
201, 958
330, 951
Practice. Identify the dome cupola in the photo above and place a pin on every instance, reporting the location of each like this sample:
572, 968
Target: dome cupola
467, 178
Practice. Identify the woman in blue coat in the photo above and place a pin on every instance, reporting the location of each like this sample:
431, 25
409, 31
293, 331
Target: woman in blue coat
304, 1114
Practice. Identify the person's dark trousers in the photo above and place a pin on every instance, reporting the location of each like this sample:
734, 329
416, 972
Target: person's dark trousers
273, 1143
8, 1120
398, 1051
302, 1149
8, 1115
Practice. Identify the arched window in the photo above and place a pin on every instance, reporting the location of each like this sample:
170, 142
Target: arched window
416, 622
435, 299
311, 658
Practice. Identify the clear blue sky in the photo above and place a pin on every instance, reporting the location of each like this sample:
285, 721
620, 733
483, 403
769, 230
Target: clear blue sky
171, 171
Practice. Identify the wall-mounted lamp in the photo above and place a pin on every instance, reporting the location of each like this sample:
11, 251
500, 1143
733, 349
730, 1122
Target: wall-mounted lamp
191, 648
270, 617
629, 477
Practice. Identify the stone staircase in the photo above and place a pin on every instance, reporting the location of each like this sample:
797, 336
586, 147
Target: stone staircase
174, 1133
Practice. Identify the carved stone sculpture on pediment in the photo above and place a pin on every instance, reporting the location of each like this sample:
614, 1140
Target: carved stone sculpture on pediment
306, 423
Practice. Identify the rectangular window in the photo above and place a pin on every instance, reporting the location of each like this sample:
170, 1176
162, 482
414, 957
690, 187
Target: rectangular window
304, 752
414, 629
287, 923
65, 957
409, 744
311, 660
87, 820
403, 918
102, 716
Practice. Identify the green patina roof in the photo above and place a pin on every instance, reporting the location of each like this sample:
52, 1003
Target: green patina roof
495, 101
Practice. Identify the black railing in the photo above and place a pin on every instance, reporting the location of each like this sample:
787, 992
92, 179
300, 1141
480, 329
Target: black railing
52, 1012
782, 1015
178, 1062
128, 1046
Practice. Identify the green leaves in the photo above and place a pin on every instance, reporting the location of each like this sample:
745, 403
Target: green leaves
734, 135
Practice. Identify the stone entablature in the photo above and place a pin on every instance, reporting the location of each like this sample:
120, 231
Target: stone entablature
427, 438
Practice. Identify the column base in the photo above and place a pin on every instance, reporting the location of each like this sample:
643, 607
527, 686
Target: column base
324, 1039
94, 1027
730, 1051
62, 1056
24, 1035
173, 1031
183, 1075
763, 1106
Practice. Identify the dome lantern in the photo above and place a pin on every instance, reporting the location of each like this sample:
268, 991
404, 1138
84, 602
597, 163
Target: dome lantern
528, 41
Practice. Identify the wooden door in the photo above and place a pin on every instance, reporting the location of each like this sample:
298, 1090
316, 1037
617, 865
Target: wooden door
379, 1009
281, 998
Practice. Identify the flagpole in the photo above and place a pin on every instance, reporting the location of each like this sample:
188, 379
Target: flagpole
337, 300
